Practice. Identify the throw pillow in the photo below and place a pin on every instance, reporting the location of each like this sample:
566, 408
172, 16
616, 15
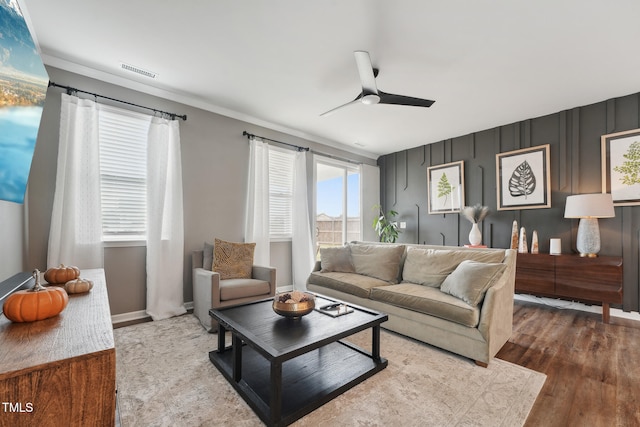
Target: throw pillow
207, 256
379, 261
336, 259
233, 260
429, 267
471, 279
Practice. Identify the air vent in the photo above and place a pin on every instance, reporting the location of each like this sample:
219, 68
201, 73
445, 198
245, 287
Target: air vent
138, 70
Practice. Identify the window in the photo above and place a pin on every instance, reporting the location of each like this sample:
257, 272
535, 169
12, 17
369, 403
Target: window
281, 163
337, 204
123, 173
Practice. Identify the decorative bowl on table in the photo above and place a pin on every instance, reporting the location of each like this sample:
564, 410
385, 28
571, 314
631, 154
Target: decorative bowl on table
294, 304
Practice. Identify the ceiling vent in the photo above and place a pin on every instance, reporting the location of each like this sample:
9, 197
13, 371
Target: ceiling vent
138, 70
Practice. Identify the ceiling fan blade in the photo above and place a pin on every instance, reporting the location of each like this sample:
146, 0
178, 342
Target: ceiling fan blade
355, 101
365, 69
389, 98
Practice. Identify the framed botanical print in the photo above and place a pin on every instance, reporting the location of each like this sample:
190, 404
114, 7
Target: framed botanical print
445, 184
621, 167
523, 179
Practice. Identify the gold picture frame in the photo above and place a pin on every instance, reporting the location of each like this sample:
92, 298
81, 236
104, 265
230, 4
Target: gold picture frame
445, 187
523, 179
621, 167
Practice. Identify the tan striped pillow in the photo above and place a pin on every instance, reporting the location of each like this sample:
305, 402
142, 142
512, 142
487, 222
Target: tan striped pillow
233, 260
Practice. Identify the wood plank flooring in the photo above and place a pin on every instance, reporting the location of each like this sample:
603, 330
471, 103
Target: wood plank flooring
592, 368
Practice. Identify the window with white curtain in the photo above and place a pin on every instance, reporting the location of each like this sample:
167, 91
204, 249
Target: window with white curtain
123, 171
281, 167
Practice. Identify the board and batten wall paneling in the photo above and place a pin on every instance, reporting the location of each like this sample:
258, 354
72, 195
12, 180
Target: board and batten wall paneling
575, 167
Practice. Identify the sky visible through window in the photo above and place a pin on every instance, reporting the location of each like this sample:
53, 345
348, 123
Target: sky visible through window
329, 196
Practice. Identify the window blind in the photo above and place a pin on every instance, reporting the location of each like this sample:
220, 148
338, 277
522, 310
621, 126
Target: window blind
281, 164
123, 170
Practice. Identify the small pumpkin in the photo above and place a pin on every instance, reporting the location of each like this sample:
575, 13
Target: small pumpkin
78, 286
61, 275
38, 303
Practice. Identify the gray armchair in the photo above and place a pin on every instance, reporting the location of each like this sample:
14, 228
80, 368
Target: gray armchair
209, 291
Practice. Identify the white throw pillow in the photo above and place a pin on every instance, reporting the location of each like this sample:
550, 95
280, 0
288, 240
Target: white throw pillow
471, 279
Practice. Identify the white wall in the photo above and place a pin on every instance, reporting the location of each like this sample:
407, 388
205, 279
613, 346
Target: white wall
370, 197
12, 239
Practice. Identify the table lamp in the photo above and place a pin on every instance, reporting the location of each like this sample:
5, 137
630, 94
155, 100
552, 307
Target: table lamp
589, 207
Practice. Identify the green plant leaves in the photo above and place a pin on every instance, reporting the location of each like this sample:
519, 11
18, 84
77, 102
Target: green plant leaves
630, 168
387, 230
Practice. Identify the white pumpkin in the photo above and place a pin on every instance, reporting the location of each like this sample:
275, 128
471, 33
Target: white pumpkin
78, 286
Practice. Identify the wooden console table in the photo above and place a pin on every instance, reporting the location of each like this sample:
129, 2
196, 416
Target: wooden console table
61, 371
571, 277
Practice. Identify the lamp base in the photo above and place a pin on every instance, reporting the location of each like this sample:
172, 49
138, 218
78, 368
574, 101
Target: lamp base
588, 240
589, 255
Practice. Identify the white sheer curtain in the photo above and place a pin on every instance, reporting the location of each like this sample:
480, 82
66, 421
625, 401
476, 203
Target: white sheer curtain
301, 242
165, 225
75, 237
257, 220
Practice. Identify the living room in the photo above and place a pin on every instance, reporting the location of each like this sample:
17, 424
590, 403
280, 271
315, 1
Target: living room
215, 153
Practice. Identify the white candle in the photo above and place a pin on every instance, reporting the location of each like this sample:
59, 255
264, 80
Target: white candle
555, 247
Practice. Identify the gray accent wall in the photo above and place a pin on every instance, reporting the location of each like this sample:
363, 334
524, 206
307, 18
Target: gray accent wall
214, 160
574, 138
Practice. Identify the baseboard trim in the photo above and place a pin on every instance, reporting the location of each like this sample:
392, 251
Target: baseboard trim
139, 315
573, 305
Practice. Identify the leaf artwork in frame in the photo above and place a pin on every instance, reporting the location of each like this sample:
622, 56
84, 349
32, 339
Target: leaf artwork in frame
445, 187
523, 179
621, 167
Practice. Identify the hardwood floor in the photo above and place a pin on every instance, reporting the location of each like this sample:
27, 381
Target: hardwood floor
592, 368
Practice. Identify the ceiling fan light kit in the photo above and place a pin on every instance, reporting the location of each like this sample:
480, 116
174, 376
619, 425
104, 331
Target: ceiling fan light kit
370, 94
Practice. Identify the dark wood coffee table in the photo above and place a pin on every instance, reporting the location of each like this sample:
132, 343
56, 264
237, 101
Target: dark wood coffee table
285, 368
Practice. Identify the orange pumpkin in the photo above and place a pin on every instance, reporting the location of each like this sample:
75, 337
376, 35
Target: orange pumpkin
38, 303
61, 275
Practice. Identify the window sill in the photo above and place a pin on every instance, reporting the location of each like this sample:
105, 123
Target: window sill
279, 239
123, 243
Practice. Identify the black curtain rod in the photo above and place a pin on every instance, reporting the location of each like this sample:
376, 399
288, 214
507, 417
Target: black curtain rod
297, 147
71, 90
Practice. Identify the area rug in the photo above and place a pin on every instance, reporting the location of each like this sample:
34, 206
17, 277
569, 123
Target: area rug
165, 378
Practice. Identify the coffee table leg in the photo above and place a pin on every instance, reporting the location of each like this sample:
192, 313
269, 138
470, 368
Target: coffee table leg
276, 391
375, 344
237, 358
221, 333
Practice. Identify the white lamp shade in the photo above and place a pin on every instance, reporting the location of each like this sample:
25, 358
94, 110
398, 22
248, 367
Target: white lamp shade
599, 205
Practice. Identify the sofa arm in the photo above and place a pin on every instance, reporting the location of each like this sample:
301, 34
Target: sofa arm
317, 266
267, 274
496, 316
206, 294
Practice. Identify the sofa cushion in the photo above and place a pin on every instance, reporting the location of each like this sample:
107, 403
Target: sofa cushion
430, 267
242, 288
350, 283
233, 260
207, 256
428, 300
471, 279
336, 259
379, 261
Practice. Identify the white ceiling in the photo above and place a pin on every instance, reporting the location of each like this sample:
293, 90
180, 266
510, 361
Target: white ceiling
281, 63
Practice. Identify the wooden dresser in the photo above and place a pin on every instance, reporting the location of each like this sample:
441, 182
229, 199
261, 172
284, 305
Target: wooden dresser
61, 371
571, 277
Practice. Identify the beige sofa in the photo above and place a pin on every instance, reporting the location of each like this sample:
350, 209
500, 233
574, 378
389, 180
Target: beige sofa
455, 298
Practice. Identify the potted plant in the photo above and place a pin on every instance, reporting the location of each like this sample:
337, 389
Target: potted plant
384, 225
475, 214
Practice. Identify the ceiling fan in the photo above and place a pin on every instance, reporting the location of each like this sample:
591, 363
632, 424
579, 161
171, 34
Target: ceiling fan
370, 94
